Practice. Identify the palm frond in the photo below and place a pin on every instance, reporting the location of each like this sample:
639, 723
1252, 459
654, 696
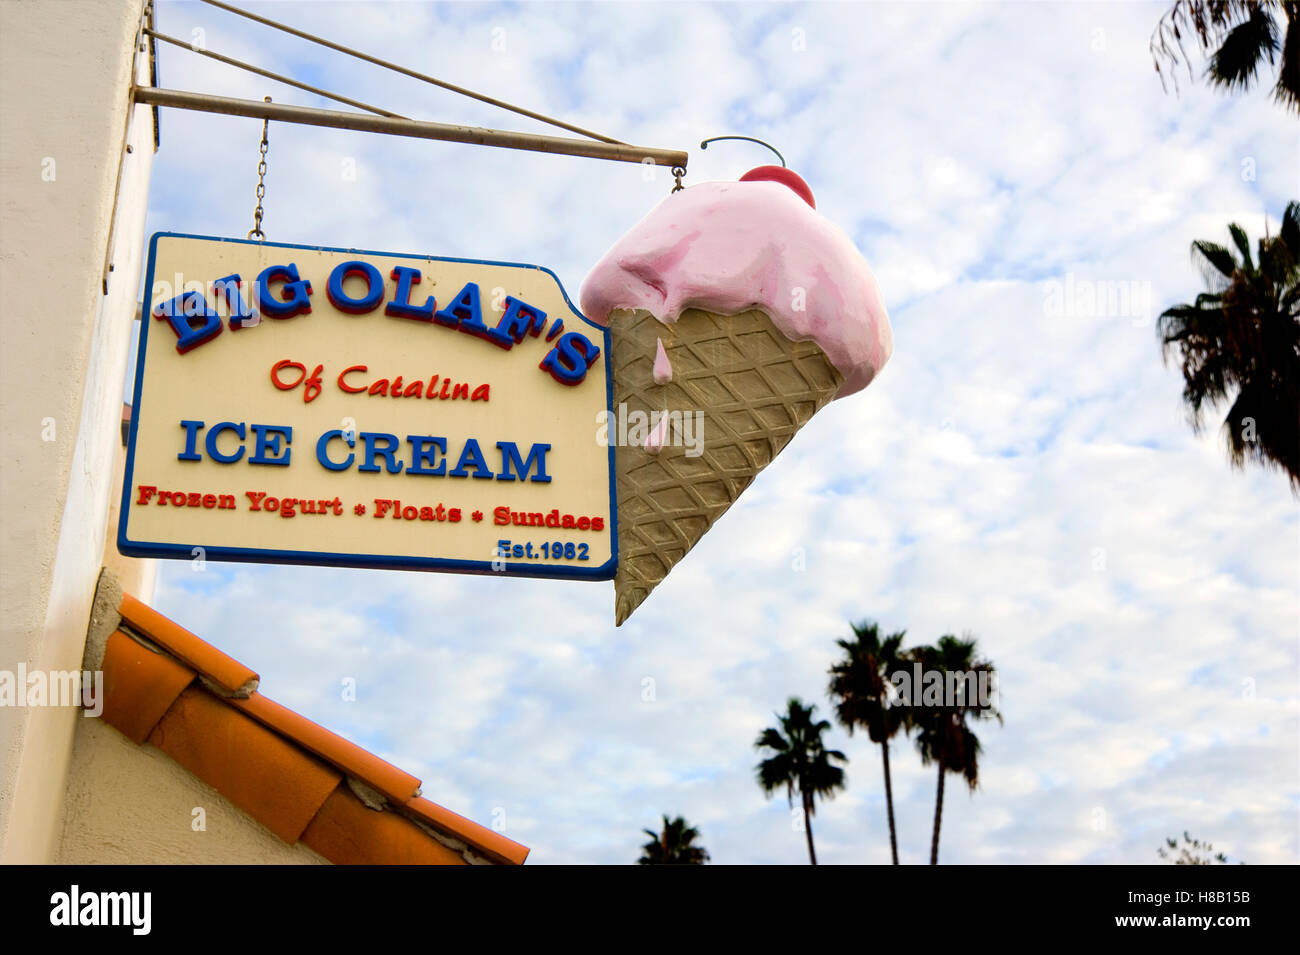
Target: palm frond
1239, 345
1234, 64
673, 845
800, 761
1215, 255
1289, 233
1242, 242
1206, 21
1286, 92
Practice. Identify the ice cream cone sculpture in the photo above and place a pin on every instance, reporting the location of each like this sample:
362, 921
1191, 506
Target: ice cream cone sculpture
736, 312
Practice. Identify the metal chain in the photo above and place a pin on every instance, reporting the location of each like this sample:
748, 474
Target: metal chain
261, 183
678, 172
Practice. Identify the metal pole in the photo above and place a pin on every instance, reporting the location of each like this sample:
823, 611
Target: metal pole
288, 81
416, 129
442, 84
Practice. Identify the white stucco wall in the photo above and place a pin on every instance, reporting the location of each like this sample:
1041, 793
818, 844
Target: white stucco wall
129, 805
136, 575
65, 71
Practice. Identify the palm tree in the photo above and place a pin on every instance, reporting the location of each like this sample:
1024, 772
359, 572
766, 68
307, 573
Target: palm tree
675, 845
1241, 340
800, 761
944, 737
860, 688
1240, 34
1191, 852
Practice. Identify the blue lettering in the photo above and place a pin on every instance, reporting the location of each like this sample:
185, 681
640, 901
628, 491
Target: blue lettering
192, 429
401, 306
182, 312
569, 360
241, 316
211, 442
267, 450
424, 450
387, 450
344, 302
463, 308
519, 319
510, 456
297, 292
472, 454
322, 454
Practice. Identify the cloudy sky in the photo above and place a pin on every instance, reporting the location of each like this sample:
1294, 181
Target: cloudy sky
1019, 470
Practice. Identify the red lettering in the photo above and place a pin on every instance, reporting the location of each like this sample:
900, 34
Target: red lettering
286, 363
312, 388
148, 494
344, 386
503, 515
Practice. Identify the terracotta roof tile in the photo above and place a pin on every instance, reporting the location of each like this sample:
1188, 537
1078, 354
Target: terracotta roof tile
226, 672
397, 785
346, 832
488, 843
139, 686
268, 777
278, 766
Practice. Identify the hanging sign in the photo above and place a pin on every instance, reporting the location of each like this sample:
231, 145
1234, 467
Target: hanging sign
329, 406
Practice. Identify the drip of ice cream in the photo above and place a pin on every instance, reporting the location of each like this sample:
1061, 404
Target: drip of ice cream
727, 247
654, 441
663, 370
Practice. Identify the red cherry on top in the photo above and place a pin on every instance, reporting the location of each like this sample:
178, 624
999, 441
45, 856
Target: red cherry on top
787, 177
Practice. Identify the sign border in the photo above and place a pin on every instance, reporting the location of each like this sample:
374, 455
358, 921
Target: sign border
262, 555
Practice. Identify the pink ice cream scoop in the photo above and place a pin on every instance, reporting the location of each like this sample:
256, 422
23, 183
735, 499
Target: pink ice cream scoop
727, 247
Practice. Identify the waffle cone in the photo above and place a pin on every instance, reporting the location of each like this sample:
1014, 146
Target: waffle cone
755, 387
